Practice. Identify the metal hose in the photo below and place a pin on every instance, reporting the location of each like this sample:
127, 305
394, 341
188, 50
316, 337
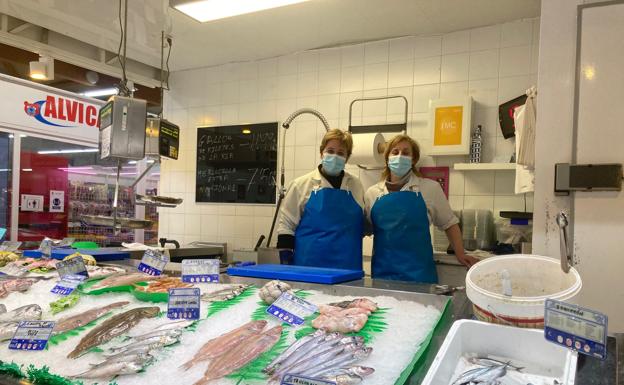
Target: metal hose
312, 111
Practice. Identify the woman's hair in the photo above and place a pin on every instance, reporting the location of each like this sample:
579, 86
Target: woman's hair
343, 137
391, 144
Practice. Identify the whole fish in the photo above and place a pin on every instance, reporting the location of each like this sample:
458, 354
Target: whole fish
175, 333
7, 329
341, 360
174, 325
23, 313
223, 343
477, 375
312, 361
113, 327
225, 294
241, 354
138, 357
291, 349
144, 349
315, 343
345, 379
124, 279
154, 342
345, 346
363, 303
81, 319
107, 371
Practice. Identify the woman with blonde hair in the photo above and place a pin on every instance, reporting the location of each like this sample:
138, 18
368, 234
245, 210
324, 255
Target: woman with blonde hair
321, 220
400, 209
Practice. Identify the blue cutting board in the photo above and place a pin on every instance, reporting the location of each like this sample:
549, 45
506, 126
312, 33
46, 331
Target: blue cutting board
100, 255
297, 273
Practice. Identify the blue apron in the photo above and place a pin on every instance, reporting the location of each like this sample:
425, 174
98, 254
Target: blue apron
402, 244
330, 231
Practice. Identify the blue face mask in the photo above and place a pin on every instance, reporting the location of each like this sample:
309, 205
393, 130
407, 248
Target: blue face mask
333, 164
399, 164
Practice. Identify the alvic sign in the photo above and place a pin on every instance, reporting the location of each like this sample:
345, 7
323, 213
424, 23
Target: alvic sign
43, 110
59, 112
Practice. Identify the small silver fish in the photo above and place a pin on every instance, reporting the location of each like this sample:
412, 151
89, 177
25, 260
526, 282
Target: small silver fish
144, 349
107, 371
157, 341
291, 349
484, 361
480, 374
175, 333
225, 294
308, 347
141, 357
345, 379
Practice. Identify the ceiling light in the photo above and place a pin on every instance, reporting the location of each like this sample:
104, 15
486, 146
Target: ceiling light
42, 69
73, 151
100, 92
27, 169
207, 10
246, 131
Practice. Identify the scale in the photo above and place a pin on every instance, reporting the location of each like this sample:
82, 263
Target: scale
127, 133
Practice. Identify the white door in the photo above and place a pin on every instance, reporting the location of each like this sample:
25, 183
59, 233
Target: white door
599, 216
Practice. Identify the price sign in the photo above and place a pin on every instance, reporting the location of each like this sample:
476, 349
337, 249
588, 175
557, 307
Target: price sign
183, 303
68, 284
576, 328
153, 262
73, 266
31, 335
291, 309
292, 379
200, 270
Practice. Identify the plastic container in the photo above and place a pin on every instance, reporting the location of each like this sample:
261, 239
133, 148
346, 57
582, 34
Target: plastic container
523, 347
533, 279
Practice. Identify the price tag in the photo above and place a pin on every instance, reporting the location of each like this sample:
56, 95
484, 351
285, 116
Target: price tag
576, 328
74, 266
10, 245
200, 270
292, 379
183, 303
153, 262
291, 309
31, 335
68, 284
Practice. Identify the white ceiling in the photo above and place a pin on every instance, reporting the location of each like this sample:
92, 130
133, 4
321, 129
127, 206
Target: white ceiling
322, 23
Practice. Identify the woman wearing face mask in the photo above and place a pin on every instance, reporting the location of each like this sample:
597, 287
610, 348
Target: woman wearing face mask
400, 209
322, 216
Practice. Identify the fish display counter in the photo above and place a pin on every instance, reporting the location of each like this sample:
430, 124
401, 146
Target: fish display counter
119, 328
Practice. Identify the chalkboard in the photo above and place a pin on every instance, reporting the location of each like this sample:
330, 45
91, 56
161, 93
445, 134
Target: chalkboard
236, 164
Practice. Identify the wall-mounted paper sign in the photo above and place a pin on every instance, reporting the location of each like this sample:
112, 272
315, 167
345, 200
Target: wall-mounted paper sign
450, 121
57, 201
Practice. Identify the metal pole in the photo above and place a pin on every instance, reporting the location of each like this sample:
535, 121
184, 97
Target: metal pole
15, 187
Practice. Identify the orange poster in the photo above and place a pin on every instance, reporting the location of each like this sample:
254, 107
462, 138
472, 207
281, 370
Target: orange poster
448, 126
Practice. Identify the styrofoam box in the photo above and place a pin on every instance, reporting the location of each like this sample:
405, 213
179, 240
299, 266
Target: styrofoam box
542, 361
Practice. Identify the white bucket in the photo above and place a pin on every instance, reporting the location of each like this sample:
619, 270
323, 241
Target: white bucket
533, 279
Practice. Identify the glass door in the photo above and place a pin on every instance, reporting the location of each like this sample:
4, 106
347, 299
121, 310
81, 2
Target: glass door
6, 168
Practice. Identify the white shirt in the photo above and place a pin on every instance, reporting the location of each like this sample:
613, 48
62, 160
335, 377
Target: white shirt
299, 192
439, 211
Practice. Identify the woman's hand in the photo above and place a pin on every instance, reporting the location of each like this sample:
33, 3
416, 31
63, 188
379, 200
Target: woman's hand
467, 260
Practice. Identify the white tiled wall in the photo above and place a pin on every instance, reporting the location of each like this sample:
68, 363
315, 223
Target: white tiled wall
492, 64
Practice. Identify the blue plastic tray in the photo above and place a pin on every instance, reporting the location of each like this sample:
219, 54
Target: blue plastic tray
100, 255
297, 273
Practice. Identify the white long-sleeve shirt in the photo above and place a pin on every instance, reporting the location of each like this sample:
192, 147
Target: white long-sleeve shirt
299, 192
439, 210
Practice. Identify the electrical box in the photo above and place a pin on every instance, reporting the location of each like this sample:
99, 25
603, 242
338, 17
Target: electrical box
162, 138
587, 177
122, 128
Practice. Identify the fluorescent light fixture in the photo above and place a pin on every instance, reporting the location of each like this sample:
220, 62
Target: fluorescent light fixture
132, 162
23, 136
27, 169
150, 161
208, 10
246, 131
42, 69
11, 136
73, 151
7, 170
100, 92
